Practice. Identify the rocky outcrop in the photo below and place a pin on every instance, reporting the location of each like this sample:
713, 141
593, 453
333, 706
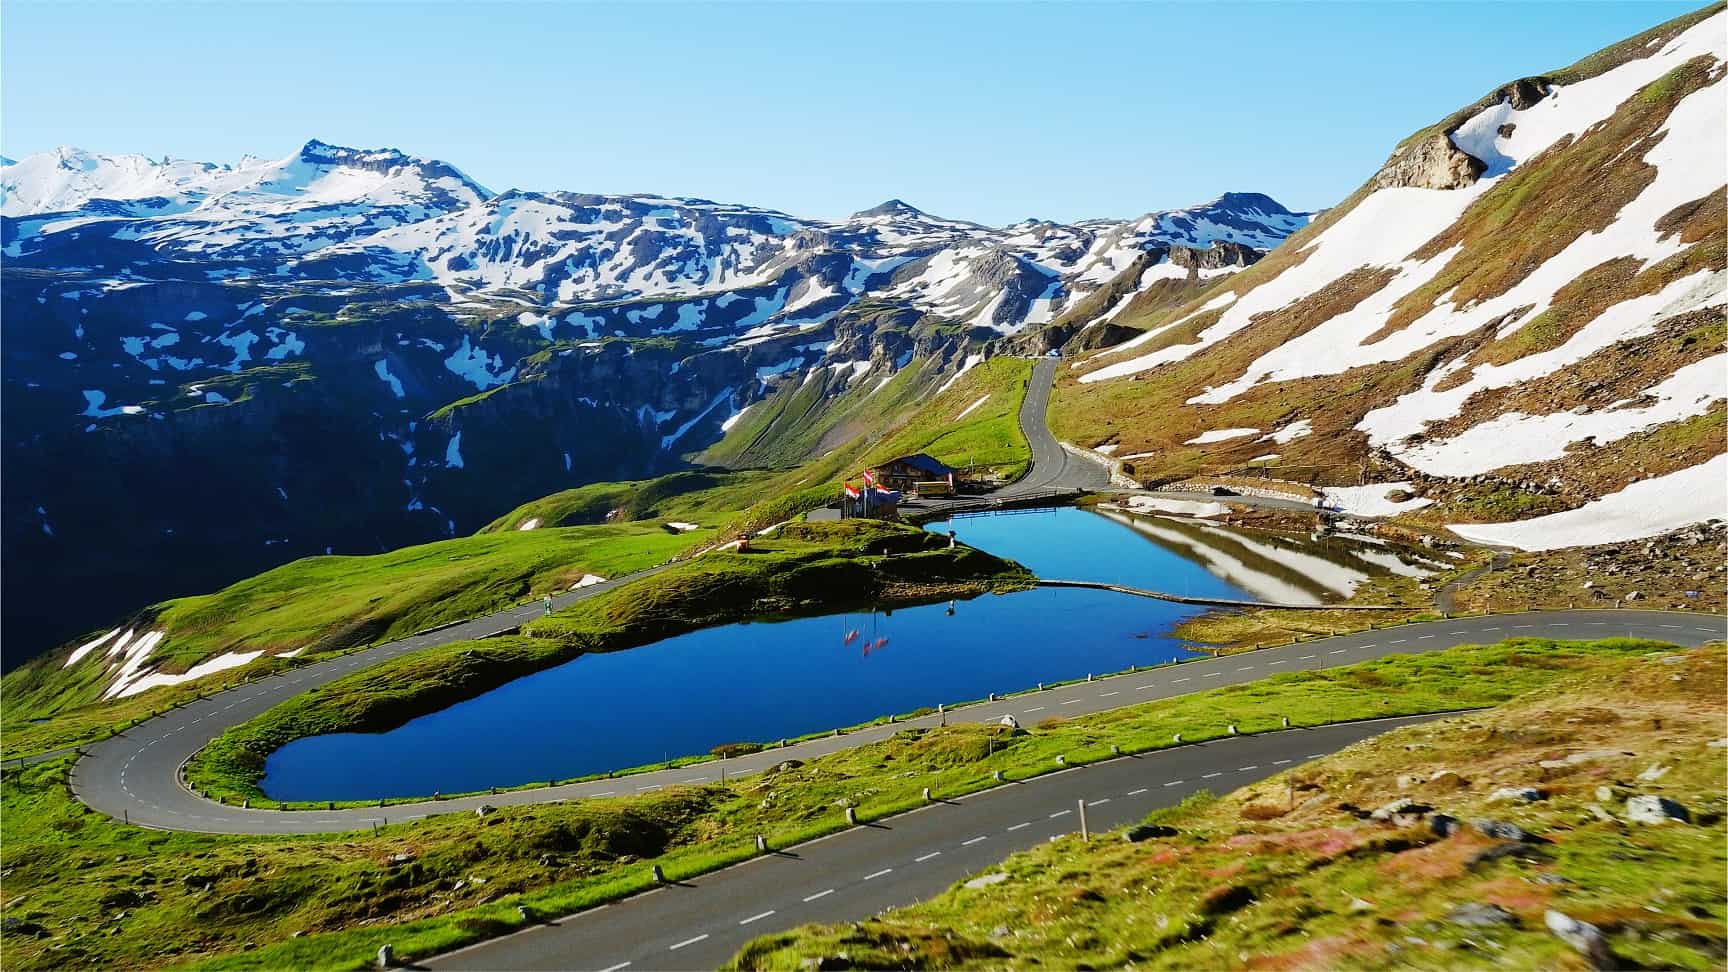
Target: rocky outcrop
1524, 92
1221, 255
1430, 162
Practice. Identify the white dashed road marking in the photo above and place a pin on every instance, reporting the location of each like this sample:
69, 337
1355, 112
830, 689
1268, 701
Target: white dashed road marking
759, 917
819, 894
872, 877
920, 860
687, 941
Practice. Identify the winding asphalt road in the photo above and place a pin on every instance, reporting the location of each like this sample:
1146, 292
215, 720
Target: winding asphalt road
1053, 467
135, 777
866, 869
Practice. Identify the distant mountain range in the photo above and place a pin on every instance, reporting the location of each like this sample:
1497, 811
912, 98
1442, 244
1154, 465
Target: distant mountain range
211, 369
332, 213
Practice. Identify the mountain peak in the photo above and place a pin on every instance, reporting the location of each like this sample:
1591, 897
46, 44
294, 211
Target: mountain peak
893, 207
318, 151
1249, 202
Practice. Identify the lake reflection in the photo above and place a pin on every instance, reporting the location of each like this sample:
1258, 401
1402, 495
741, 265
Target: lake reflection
770, 680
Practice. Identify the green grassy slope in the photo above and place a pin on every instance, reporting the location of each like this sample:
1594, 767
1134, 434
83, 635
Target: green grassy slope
1290, 872
87, 891
988, 439
687, 496
322, 604
799, 422
795, 425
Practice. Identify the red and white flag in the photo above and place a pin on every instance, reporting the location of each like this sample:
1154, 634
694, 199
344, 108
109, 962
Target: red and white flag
851, 491
870, 477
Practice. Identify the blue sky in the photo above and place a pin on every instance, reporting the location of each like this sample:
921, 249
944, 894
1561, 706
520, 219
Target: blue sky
989, 112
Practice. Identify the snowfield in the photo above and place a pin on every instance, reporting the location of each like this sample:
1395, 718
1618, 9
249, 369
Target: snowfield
1220, 435
1370, 500
1647, 508
1154, 504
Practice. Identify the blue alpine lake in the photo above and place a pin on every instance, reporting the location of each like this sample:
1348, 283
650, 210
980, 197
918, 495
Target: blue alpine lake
765, 681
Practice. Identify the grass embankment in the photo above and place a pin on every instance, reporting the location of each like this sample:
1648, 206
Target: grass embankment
691, 497
987, 439
803, 568
319, 605
1292, 872
87, 890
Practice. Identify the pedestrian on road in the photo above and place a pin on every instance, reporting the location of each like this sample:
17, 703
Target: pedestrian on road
548, 603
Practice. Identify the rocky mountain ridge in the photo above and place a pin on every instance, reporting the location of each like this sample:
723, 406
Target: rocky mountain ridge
1530, 291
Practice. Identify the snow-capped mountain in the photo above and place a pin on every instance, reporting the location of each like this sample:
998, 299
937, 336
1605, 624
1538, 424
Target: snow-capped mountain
139, 210
1520, 314
330, 213
347, 349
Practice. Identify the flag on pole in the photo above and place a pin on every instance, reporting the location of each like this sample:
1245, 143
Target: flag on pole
851, 491
870, 477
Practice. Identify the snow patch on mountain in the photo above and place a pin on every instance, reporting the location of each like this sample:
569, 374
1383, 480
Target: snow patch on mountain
382, 368
1646, 508
483, 370
972, 361
1370, 500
